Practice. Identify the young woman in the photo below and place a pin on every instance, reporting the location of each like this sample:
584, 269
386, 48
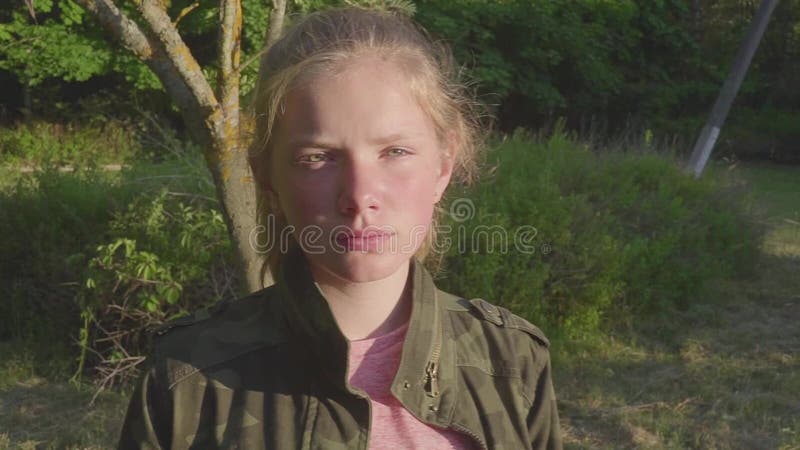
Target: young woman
360, 126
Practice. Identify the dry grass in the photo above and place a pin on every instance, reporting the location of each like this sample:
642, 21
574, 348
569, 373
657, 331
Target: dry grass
38, 413
42, 414
730, 378
723, 374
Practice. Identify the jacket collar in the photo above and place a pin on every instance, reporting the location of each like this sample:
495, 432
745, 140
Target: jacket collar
311, 321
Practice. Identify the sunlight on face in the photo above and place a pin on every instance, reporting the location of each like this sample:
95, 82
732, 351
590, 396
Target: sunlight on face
357, 170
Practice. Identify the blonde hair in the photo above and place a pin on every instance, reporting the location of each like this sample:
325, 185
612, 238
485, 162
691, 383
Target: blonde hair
323, 43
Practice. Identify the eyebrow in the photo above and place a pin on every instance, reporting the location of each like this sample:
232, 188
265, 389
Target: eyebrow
392, 138
310, 141
320, 142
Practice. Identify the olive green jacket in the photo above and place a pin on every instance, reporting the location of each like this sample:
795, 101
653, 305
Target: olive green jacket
270, 371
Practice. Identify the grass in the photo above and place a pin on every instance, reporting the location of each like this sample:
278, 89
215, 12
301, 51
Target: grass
40, 411
52, 222
724, 373
40, 143
778, 192
728, 377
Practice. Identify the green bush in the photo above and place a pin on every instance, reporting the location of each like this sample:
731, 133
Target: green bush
42, 144
48, 220
593, 239
61, 229
162, 258
768, 134
620, 58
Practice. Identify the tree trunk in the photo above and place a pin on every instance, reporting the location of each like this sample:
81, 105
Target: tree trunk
227, 158
213, 118
27, 102
236, 191
276, 19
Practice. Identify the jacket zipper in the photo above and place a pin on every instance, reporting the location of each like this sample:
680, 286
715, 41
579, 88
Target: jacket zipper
432, 380
432, 368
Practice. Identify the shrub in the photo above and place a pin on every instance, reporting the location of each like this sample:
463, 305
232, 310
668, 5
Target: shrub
57, 144
592, 239
163, 258
58, 227
48, 220
762, 134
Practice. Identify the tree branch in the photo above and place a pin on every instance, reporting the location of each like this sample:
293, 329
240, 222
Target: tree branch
127, 32
230, 39
276, 21
214, 124
124, 29
185, 64
184, 12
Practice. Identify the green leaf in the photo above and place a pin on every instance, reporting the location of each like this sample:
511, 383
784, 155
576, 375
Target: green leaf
172, 294
5, 33
71, 13
151, 306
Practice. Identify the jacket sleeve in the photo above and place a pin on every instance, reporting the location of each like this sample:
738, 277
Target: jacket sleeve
543, 423
147, 421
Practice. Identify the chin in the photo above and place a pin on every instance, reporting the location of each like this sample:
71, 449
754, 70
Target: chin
356, 267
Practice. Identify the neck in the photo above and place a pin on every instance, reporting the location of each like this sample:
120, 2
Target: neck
369, 309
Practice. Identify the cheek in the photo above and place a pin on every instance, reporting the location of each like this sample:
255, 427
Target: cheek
422, 213
414, 194
305, 200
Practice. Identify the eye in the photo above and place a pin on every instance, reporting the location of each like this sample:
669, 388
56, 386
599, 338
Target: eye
398, 151
316, 157
312, 158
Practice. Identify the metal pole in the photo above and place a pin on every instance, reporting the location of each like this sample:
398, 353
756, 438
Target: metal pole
708, 137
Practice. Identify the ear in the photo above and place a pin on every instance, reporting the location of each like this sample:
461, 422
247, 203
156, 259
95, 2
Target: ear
264, 185
446, 164
269, 195
273, 202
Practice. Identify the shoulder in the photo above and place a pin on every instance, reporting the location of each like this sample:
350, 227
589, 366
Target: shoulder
217, 334
478, 312
491, 337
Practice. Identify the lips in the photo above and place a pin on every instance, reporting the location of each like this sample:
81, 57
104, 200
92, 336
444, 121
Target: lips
364, 240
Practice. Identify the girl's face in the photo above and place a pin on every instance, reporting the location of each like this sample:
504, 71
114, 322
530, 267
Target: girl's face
357, 169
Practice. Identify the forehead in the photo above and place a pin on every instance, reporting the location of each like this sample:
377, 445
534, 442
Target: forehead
366, 95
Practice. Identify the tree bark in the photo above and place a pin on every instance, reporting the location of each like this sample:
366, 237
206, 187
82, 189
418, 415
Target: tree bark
276, 19
128, 33
228, 164
212, 118
185, 65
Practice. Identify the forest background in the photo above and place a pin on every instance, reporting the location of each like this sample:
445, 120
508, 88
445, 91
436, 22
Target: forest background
605, 66
109, 224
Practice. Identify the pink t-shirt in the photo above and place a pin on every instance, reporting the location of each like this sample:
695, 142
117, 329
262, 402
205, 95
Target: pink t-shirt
373, 365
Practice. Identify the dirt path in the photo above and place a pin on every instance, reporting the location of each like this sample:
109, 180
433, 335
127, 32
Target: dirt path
68, 168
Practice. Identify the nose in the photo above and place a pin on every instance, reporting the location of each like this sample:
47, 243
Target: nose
360, 188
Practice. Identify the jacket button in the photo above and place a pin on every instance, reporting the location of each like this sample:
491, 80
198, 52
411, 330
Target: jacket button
406, 385
434, 408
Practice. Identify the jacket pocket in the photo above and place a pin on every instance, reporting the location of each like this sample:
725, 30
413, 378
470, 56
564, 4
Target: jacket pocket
493, 367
